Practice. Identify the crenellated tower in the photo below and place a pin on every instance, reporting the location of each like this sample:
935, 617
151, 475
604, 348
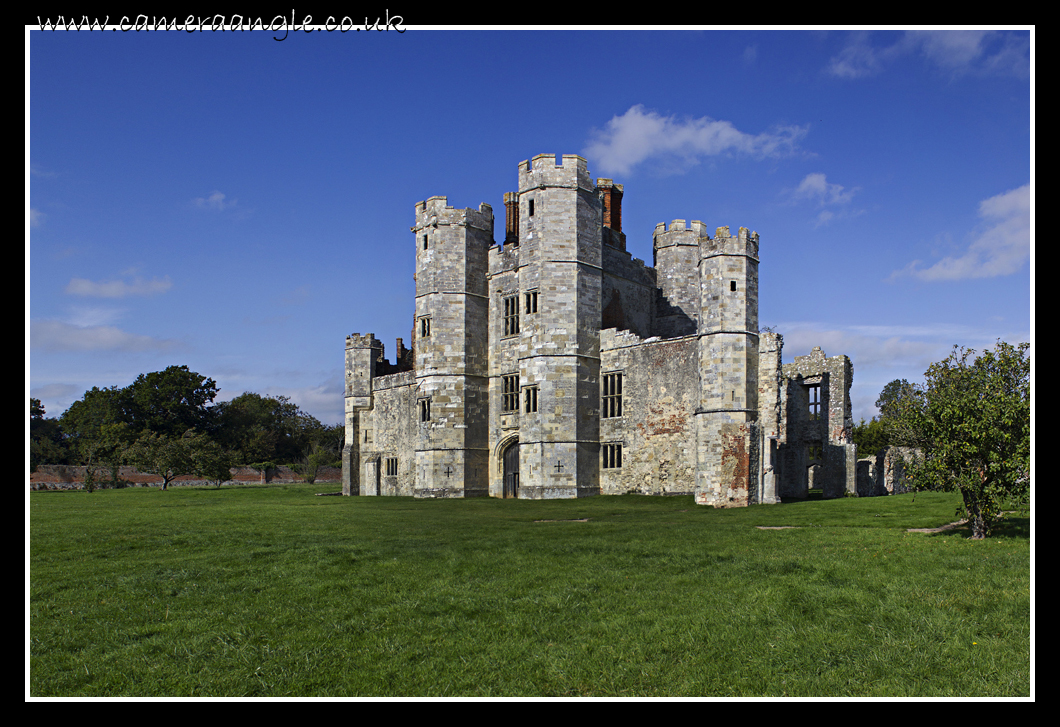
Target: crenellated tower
677, 253
451, 348
362, 356
560, 237
728, 439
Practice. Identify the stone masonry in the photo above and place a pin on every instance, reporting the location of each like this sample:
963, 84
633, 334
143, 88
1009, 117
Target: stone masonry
553, 364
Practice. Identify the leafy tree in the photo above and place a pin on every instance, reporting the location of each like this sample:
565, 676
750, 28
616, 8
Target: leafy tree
971, 421
47, 445
261, 428
870, 437
160, 454
210, 460
97, 427
892, 396
170, 402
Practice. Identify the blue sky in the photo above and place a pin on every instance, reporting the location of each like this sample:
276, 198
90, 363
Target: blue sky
239, 205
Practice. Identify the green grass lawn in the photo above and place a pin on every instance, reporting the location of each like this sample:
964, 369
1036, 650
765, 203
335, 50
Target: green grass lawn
271, 591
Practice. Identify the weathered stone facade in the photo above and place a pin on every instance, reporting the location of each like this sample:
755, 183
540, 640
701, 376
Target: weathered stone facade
555, 365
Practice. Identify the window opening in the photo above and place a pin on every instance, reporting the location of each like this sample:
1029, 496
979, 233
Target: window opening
531, 302
511, 315
732, 285
425, 242
530, 399
612, 456
814, 393
425, 410
425, 327
510, 393
612, 397
391, 466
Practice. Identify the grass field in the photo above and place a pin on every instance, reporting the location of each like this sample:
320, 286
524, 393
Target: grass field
271, 591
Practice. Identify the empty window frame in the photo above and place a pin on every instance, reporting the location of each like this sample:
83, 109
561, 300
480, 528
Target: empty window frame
530, 399
612, 396
813, 392
425, 241
425, 327
511, 315
612, 456
510, 393
531, 205
530, 300
391, 466
425, 410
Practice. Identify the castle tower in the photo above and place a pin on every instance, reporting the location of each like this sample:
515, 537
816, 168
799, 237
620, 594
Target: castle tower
728, 440
560, 238
450, 348
677, 270
362, 354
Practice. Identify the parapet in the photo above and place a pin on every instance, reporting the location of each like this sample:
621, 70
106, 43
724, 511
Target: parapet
678, 234
723, 243
368, 340
543, 171
436, 211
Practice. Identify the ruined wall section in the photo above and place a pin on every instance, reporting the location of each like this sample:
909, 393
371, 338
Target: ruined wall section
770, 411
656, 431
388, 436
818, 434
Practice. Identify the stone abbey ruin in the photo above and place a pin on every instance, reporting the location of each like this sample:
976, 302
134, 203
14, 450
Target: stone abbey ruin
553, 364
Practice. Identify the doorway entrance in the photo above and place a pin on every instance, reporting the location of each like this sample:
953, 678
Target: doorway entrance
511, 470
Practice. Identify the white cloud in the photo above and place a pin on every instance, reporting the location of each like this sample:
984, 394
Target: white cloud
118, 288
816, 188
36, 217
1001, 248
954, 51
639, 135
216, 201
56, 336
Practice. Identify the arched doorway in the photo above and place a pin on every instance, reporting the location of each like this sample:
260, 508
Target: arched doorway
511, 470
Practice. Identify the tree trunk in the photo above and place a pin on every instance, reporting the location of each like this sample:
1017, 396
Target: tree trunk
975, 516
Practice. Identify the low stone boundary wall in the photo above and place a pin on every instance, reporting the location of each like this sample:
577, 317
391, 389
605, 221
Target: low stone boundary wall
67, 477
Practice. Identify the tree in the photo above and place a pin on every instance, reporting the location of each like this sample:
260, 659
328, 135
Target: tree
210, 460
170, 402
971, 422
870, 437
892, 396
47, 445
160, 454
97, 428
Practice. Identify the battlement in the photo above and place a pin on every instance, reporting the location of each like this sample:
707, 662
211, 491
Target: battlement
368, 340
543, 171
723, 243
678, 233
436, 211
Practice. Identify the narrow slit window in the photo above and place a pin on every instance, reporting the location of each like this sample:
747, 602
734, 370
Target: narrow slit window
425, 242
425, 410
531, 208
425, 327
732, 285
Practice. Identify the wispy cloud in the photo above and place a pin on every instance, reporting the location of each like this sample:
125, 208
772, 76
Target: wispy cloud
57, 336
36, 217
1001, 248
817, 189
955, 52
118, 288
640, 135
216, 201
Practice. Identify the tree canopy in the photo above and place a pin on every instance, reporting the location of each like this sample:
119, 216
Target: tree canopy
971, 422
